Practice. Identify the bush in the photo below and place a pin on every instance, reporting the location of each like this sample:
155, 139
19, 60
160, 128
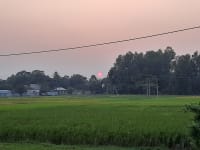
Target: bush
195, 128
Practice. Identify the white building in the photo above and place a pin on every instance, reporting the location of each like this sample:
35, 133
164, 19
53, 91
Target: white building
61, 91
5, 93
33, 90
52, 93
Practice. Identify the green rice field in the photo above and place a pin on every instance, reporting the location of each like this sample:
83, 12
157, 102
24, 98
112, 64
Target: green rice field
124, 121
29, 146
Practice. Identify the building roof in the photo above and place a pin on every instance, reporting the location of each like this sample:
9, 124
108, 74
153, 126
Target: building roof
60, 89
5, 91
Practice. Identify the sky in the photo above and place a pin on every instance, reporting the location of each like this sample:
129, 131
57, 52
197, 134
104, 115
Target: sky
35, 25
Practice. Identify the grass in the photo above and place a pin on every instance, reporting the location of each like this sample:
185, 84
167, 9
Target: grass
26, 146
97, 120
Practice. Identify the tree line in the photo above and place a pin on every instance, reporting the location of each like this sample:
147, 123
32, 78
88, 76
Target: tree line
133, 73
17, 83
163, 69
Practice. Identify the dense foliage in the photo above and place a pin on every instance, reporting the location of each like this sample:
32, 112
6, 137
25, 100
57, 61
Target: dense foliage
36, 146
17, 82
195, 130
132, 73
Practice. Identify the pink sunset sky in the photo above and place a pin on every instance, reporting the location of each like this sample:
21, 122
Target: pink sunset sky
34, 25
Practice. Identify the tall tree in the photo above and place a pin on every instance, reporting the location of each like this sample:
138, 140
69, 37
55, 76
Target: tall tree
130, 71
78, 82
184, 70
95, 85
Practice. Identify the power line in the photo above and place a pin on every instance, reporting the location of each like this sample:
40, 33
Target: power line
100, 44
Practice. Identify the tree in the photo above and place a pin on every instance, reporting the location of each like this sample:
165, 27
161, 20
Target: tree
18, 81
65, 82
125, 73
95, 85
131, 71
184, 70
4, 85
38, 77
56, 79
78, 82
196, 73
44, 88
20, 89
195, 128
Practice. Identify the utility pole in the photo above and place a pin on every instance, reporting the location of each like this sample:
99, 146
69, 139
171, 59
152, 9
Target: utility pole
157, 90
152, 84
149, 87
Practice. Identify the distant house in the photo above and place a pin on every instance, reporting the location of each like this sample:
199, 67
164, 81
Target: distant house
5, 93
61, 91
33, 90
52, 93
57, 91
